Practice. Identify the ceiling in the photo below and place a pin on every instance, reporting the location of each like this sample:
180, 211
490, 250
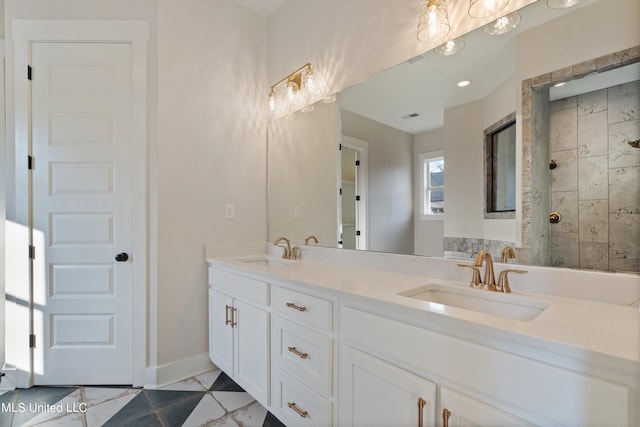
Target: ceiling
429, 86
261, 7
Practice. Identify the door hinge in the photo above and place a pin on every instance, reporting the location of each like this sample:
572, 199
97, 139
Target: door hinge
357, 198
28, 72
32, 341
340, 191
340, 147
357, 162
32, 252
30, 162
358, 233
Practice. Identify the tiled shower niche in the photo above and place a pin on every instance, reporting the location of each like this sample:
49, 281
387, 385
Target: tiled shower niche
596, 183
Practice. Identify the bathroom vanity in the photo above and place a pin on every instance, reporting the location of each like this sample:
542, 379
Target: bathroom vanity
324, 343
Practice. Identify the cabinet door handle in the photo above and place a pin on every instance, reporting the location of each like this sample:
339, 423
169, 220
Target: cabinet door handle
295, 307
233, 317
421, 403
445, 417
303, 414
297, 353
226, 315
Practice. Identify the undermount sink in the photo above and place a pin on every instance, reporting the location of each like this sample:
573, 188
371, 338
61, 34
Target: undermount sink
488, 302
267, 261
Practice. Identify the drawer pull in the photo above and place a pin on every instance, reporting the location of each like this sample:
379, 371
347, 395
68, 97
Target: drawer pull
226, 314
297, 353
421, 403
295, 307
303, 414
445, 417
233, 317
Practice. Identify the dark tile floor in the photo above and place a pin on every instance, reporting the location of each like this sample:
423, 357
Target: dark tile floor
210, 399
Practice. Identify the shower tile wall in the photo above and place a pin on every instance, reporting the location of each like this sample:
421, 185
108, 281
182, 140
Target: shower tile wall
596, 185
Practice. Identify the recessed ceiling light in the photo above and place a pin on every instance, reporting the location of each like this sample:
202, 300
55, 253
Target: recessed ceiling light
464, 83
559, 84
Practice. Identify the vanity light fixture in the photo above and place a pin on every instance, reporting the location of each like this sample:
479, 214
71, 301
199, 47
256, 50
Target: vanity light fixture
486, 8
451, 47
503, 24
433, 23
293, 92
561, 4
464, 83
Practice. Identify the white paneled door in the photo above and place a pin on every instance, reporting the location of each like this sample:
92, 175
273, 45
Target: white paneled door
81, 107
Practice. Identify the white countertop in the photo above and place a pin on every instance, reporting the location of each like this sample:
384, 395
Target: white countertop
606, 334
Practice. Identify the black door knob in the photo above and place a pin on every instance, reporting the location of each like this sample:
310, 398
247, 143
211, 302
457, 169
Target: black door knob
123, 257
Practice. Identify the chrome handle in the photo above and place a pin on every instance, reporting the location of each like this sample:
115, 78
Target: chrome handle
445, 417
421, 403
297, 353
226, 314
303, 414
296, 307
233, 317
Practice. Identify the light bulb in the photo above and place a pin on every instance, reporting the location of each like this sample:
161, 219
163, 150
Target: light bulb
486, 8
503, 25
434, 22
451, 47
272, 101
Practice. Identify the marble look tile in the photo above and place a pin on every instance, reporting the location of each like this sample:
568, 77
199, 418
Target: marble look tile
624, 102
93, 396
624, 236
250, 416
593, 134
98, 414
566, 203
565, 176
624, 190
190, 384
223, 422
208, 378
627, 265
592, 102
51, 418
565, 250
206, 412
594, 222
563, 130
564, 104
232, 400
620, 152
593, 178
594, 256
67, 420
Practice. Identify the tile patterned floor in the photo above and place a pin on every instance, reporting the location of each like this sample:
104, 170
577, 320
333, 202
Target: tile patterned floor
210, 399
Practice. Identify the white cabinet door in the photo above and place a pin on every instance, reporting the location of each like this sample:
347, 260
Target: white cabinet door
458, 410
252, 351
220, 330
374, 393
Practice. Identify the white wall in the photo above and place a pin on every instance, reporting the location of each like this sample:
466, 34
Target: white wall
428, 234
303, 155
207, 147
390, 183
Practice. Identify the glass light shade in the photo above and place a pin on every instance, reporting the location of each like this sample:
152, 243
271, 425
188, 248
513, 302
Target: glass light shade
272, 102
503, 25
434, 22
561, 4
486, 8
308, 81
292, 90
451, 47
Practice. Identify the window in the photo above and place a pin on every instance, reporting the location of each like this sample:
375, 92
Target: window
432, 177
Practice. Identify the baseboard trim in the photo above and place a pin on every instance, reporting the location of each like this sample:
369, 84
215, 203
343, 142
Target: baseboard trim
160, 376
10, 379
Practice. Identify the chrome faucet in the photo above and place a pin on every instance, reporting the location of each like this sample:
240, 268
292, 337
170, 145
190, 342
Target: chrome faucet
287, 253
489, 275
314, 238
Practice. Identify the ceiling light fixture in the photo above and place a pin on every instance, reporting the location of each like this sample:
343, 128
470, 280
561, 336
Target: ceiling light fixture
451, 47
503, 25
296, 91
464, 83
562, 4
486, 8
433, 23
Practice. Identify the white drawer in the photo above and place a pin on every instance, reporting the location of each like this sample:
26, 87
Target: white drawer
304, 308
242, 287
296, 405
303, 353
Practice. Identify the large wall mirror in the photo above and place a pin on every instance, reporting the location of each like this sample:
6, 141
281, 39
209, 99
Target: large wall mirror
398, 124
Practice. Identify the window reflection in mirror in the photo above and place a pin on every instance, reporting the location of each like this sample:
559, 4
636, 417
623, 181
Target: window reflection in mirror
432, 185
500, 169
